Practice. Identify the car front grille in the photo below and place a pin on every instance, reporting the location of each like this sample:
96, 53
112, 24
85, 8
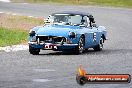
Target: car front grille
52, 39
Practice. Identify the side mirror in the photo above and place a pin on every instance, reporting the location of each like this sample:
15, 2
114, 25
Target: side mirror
46, 21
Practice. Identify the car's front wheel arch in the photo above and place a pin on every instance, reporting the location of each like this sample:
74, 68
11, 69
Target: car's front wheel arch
99, 47
33, 50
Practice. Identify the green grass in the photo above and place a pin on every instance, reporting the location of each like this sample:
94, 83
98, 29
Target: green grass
14, 29
117, 3
12, 37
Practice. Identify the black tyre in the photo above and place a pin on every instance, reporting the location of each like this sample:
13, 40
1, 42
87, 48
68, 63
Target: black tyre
33, 51
81, 80
99, 47
80, 48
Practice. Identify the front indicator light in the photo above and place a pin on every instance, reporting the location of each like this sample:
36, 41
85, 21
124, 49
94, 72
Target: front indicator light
33, 40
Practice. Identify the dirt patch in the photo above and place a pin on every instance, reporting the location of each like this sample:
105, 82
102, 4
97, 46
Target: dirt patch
19, 22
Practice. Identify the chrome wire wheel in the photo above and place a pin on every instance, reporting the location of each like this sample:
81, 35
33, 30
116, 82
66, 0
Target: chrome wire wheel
101, 44
81, 45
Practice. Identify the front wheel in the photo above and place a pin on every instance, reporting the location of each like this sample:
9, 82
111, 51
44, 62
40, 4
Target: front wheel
33, 51
80, 48
99, 47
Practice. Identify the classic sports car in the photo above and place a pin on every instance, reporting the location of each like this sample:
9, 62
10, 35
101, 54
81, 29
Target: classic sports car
63, 31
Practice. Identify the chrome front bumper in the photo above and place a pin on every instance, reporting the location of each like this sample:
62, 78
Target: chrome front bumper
35, 43
50, 46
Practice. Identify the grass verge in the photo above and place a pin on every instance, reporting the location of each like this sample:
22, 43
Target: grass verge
12, 37
14, 29
115, 3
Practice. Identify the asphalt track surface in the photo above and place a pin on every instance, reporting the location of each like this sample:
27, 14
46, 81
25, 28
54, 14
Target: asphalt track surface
56, 69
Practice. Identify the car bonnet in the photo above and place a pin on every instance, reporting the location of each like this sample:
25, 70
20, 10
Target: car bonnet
56, 30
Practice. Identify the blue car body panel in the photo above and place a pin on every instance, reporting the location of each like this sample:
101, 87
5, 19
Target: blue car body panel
61, 30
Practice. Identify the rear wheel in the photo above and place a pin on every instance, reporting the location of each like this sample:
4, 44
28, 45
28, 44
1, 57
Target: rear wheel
99, 47
33, 51
80, 48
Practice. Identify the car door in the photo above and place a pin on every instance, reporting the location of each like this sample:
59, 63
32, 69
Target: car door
90, 34
88, 37
96, 35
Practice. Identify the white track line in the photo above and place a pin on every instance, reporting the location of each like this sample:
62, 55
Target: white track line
5, 0
14, 14
30, 16
14, 48
1, 12
25, 3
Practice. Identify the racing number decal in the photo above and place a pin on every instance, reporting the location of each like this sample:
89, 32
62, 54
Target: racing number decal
94, 36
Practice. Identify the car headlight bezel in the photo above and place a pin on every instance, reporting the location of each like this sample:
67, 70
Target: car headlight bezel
32, 33
72, 35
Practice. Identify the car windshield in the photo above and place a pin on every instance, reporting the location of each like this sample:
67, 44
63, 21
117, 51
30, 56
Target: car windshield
66, 19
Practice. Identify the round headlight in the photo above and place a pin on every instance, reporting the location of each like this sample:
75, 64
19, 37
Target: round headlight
72, 35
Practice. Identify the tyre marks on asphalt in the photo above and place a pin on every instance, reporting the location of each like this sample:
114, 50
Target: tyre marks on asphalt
53, 79
42, 70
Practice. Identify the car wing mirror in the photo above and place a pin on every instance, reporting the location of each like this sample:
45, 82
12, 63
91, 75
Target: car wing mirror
46, 21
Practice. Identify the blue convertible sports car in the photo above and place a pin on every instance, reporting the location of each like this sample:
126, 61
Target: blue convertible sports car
63, 31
